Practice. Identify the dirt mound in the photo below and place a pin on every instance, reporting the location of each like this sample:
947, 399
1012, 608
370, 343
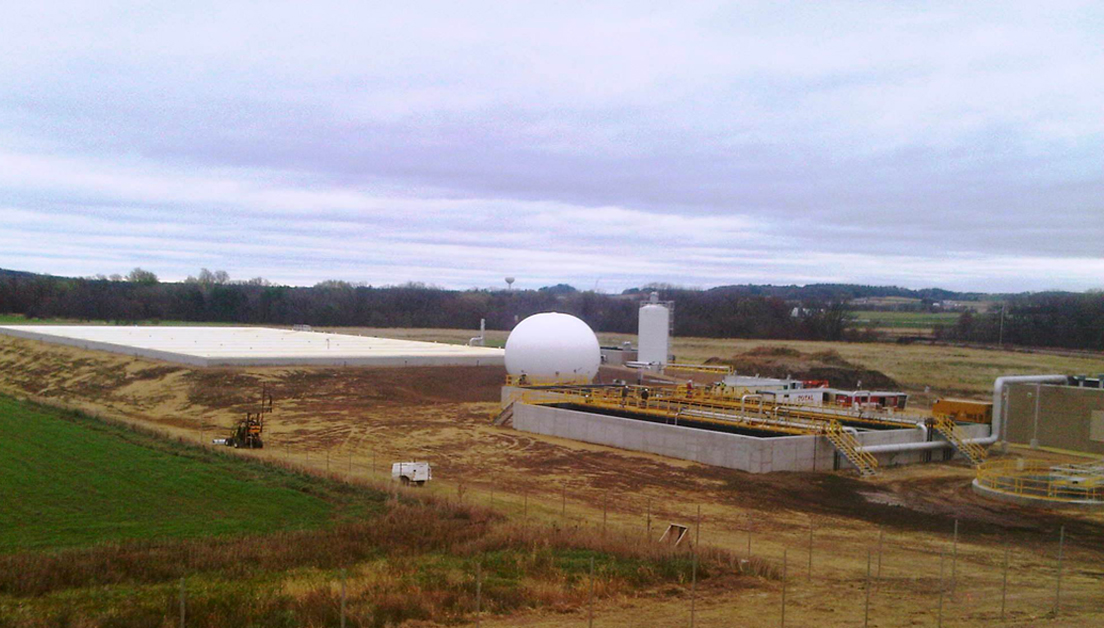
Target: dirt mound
828, 365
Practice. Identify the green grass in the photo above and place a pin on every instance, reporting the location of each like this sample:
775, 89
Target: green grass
69, 481
916, 320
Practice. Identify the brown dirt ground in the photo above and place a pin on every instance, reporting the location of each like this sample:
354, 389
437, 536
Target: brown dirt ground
358, 420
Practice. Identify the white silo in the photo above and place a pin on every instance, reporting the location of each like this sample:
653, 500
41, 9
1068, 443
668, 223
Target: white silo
653, 342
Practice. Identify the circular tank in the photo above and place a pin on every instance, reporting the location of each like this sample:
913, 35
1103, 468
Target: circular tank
553, 347
652, 342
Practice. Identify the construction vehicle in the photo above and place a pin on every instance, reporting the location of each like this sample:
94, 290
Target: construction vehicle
247, 433
417, 473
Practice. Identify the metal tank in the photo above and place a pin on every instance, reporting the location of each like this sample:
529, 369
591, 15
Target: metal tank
654, 331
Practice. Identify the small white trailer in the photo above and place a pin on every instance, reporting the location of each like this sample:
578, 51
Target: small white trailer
417, 473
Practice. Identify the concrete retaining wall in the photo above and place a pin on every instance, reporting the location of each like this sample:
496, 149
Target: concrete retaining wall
732, 451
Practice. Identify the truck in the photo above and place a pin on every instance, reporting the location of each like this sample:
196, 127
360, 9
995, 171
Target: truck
416, 473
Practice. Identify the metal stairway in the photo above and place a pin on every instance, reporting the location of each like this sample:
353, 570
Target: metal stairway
954, 434
505, 416
848, 445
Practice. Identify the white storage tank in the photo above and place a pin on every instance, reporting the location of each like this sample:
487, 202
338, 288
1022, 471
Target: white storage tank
654, 331
553, 347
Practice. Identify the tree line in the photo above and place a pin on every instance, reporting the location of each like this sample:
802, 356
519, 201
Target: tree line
214, 297
1066, 320
1058, 319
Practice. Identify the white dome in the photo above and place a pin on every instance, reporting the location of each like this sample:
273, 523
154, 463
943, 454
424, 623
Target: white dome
553, 346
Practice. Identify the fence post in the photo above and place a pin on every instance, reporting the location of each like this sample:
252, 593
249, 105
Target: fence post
1004, 581
942, 554
350, 463
605, 508
478, 591
866, 607
327, 462
697, 529
563, 501
342, 598
954, 560
525, 507
182, 603
810, 549
749, 535
590, 596
784, 564
693, 585
648, 531
878, 574
1058, 587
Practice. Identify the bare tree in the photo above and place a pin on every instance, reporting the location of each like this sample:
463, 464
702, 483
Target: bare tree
141, 276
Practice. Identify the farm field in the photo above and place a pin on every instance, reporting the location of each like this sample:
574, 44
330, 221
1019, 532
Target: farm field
354, 422
907, 320
82, 482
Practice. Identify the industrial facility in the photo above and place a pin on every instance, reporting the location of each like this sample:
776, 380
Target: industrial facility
562, 383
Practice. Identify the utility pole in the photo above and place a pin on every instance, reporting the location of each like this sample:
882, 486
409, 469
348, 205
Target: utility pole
1000, 337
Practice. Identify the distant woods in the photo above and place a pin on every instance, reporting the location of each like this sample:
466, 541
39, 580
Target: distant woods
1066, 320
817, 312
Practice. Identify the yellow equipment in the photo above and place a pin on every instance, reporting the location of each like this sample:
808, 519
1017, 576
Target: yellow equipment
963, 410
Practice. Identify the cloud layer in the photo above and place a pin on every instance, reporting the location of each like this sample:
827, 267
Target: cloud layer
602, 145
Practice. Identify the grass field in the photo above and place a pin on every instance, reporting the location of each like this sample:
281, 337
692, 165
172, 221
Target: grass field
69, 482
906, 320
101, 524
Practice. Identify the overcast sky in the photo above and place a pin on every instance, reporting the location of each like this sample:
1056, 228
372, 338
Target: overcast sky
958, 145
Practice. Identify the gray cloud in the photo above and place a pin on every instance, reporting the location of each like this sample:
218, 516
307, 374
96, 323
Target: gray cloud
711, 144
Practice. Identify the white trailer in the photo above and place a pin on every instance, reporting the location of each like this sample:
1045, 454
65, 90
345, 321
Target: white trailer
417, 473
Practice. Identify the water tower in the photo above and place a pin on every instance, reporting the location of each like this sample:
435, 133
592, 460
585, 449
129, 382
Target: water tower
509, 283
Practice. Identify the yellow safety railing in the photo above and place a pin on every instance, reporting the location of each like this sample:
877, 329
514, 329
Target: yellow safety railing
957, 437
716, 369
846, 443
525, 380
1040, 480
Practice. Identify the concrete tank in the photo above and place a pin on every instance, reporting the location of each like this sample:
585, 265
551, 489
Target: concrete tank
654, 331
